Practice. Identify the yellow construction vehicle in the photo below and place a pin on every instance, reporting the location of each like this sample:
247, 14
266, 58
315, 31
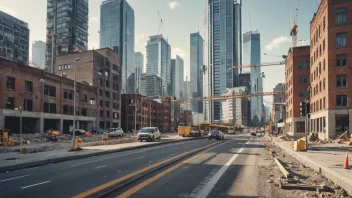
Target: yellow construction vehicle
188, 131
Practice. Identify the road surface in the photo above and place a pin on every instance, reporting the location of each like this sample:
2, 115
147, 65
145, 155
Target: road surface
226, 168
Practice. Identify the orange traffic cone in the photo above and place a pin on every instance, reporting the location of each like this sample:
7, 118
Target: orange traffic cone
345, 165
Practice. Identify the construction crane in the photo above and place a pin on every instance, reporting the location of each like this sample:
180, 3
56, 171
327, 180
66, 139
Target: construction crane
160, 24
294, 26
259, 65
230, 97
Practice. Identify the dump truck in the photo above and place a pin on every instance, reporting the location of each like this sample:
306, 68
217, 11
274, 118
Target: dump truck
188, 131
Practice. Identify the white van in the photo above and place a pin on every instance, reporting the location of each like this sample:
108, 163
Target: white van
149, 134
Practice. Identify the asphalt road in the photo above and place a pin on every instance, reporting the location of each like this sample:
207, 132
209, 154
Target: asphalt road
218, 172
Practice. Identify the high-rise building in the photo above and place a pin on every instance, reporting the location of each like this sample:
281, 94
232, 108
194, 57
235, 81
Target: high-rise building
117, 30
68, 22
38, 54
151, 85
196, 64
223, 39
244, 80
159, 61
251, 56
14, 38
173, 77
138, 60
235, 111
278, 109
177, 72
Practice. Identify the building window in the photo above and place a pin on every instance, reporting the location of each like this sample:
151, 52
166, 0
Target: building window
324, 84
324, 65
114, 67
320, 87
303, 79
28, 86
324, 45
10, 83
114, 77
68, 94
300, 127
108, 114
64, 67
321, 104
68, 109
101, 103
324, 103
342, 123
341, 16
107, 94
107, 84
303, 93
341, 39
107, 104
341, 60
115, 115
101, 113
324, 23
49, 91
303, 65
84, 111
84, 98
341, 81
100, 92
319, 50
341, 100
49, 107
10, 103
319, 67
100, 82
92, 100
28, 105
106, 73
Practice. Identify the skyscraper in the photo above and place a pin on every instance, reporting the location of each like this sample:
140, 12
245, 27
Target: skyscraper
138, 61
117, 30
151, 85
196, 63
177, 72
159, 61
14, 38
251, 56
38, 54
222, 51
68, 22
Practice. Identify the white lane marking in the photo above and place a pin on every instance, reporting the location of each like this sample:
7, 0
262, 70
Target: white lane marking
29, 168
118, 171
150, 161
141, 157
87, 162
211, 183
100, 167
13, 178
35, 185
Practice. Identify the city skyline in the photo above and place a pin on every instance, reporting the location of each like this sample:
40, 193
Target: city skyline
273, 42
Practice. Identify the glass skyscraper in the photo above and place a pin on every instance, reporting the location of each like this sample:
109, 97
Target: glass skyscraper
196, 63
139, 64
177, 72
38, 54
68, 20
251, 56
117, 30
223, 39
159, 61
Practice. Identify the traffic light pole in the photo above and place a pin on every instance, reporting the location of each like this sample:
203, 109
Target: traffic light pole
306, 131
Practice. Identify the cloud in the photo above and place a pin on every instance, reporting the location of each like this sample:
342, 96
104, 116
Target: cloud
173, 4
139, 38
180, 52
8, 10
275, 43
93, 20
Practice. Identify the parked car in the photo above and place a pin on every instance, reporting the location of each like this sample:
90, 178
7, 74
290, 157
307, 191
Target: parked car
115, 132
79, 132
216, 134
98, 130
149, 134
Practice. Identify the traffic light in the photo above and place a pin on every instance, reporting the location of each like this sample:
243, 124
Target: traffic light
302, 109
308, 109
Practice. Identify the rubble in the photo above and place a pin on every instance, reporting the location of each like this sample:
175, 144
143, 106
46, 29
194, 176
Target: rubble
286, 138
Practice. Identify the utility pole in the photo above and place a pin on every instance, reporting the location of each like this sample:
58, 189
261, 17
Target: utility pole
74, 107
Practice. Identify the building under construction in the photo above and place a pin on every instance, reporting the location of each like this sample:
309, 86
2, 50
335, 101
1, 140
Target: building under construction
66, 29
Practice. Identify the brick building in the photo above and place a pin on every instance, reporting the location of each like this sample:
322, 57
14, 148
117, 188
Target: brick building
47, 100
297, 76
330, 48
150, 111
97, 68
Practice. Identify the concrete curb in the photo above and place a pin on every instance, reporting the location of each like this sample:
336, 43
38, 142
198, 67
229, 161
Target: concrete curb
68, 158
337, 178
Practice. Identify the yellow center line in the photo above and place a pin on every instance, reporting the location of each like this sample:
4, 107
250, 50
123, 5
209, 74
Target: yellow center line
136, 188
116, 181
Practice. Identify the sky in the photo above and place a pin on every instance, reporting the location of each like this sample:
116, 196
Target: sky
182, 17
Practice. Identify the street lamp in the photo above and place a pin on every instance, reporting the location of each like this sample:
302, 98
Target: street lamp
74, 106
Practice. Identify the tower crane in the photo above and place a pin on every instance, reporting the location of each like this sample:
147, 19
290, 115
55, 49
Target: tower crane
230, 97
294, 26
260, 65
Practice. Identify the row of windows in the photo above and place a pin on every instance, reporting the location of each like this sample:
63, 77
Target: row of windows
318, 105
64, 67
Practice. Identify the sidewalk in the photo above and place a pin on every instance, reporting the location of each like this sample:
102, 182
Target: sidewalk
13, 161
326, 159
